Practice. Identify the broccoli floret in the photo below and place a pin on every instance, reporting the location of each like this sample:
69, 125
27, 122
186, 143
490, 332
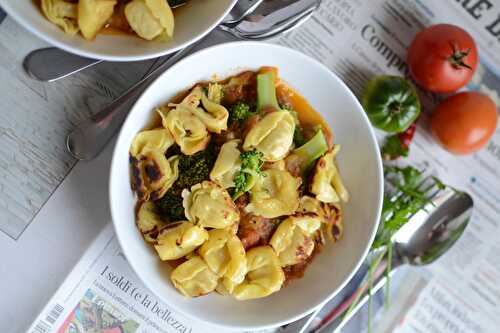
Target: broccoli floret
171, 205
266, 91
244, 180
239, 112
311, 150
193, 169
251, 160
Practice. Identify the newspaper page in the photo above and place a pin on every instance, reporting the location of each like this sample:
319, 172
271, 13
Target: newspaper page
359, 39
103, 295
356, 39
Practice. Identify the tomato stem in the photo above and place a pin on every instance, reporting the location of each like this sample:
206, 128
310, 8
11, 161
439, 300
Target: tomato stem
395, 107
457, 57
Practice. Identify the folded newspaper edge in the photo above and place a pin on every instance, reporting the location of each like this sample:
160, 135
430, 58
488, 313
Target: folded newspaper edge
103, 294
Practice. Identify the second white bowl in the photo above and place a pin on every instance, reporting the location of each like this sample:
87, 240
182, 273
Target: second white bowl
192, 22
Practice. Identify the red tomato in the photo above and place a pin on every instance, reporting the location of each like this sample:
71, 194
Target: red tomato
442, 58
463, 123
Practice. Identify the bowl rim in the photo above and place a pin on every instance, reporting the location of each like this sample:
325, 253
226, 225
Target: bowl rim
29, 26
378, 165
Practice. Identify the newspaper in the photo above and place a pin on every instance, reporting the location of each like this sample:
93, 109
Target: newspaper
102, 294
358, 39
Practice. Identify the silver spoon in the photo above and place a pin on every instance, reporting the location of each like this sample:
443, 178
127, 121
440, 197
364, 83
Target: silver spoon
429, 234
424, 239
40, 65
89, 138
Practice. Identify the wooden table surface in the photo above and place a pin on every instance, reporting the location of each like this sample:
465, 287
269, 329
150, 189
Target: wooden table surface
35, 118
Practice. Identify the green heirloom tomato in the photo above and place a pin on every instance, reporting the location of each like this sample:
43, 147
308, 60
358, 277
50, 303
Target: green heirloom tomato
391, 103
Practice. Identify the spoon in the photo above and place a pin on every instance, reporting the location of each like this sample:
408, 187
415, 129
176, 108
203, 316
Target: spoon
90, 137
39, 63
429, 234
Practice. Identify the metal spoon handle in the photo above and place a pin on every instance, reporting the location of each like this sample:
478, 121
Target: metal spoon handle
51, 64
337, 319
89, 138
282, 23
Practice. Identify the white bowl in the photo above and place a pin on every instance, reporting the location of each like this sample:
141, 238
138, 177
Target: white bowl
192, 22
359, 162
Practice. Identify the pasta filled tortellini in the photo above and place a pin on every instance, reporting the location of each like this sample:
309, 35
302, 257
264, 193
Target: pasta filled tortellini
213, 115
326, 183
330, 215
155, 139
335, 226
150, 18
292, 241
149, 222
62, 13
309, 204
215, 92
176, 242
273, 135
209, 205
274, 194
93, 15
194, 278
189, 132
264, 276
153, 174
225, 256
228, 163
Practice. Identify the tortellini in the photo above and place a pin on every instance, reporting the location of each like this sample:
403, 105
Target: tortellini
309, 204
209, 205
193, 99
274, 194
335, 226
93, 15
225, 256
330, 215
273, 135
62, 13
326, 183
228, 163
149, 222
213, 115
264, 276
176, 242
155, 139
153, 174
215, 92
150, 18
188, 130
292, 241
194, 278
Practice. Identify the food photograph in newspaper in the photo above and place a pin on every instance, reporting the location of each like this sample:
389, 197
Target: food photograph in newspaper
94, 314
